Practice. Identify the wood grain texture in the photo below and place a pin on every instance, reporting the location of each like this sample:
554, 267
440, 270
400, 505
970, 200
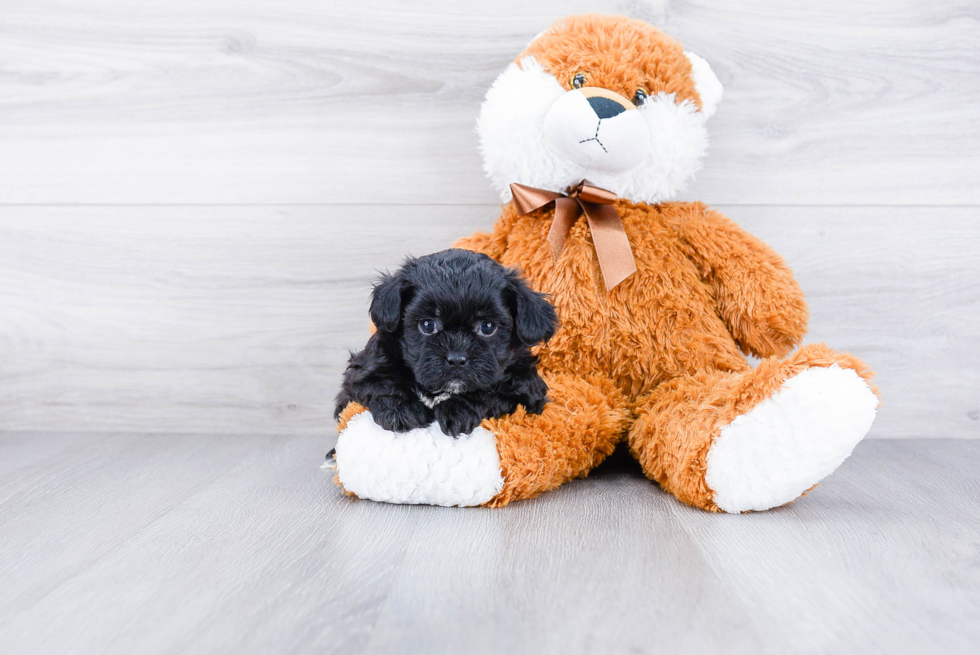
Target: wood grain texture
546, 576
882, 533
262, 553
216, 101
239, 319
115, 480
269, 541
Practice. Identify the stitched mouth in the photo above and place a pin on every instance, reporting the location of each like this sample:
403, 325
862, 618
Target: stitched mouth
596, 137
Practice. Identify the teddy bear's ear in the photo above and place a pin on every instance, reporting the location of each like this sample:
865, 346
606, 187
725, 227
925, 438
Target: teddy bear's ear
707, 84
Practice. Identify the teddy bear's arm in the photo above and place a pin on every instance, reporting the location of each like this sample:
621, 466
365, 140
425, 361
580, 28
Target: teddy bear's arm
758, 298
492, 244
481, 242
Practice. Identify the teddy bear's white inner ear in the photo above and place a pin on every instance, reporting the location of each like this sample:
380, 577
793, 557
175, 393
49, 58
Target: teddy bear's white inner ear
707, 84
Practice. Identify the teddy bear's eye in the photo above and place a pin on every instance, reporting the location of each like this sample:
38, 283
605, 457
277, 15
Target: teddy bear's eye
640, 97
579, 80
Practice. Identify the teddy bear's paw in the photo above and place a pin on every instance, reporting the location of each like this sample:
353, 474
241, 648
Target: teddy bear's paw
423, 466
786, 444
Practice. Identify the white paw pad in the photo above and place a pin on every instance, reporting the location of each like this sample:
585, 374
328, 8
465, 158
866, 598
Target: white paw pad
790, 441
423, 466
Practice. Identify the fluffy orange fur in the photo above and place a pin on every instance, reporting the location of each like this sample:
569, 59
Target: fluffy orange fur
578, 429
665, 343
703, 290
616, 53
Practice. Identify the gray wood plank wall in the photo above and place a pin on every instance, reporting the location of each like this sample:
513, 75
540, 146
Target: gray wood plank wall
194, 196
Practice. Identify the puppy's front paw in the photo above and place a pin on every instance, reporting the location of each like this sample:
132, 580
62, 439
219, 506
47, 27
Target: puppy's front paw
455, 420
535, 405
401, 416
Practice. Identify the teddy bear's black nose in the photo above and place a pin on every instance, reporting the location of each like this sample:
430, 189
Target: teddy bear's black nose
605, 108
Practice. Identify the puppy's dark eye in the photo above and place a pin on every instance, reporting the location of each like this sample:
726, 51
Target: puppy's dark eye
640, 97
579, 80
488, 328
428, 326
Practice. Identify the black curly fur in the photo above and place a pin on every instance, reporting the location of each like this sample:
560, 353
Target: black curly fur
459, 291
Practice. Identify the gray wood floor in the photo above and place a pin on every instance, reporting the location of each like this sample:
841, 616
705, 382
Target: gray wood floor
137, 543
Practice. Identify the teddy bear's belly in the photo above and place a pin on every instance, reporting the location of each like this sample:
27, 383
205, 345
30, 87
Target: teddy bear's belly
638, 352
658, 324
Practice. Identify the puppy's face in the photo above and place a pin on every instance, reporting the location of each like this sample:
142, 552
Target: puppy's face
457, 337
460, 319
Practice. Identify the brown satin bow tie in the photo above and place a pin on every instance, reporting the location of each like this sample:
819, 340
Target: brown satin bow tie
612, 246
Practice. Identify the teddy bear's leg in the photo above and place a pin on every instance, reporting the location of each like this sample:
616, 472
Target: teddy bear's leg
577, 430
505, 459
752, 440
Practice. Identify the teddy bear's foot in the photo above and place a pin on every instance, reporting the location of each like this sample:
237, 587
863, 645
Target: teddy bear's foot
753, 440
504, 459
791, 441
423, 466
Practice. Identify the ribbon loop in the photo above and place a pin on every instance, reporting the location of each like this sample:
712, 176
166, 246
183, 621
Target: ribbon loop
588, 193
608, 234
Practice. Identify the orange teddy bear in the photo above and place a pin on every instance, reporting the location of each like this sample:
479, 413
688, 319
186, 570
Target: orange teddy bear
587, 136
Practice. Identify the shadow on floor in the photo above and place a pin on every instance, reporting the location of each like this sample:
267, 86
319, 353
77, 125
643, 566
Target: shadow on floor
621, 462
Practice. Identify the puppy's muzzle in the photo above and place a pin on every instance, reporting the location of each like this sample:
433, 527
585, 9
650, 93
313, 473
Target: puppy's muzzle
597, 128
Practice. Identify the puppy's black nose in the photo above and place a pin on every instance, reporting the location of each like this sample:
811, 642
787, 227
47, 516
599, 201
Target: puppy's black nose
456, 359
605, 108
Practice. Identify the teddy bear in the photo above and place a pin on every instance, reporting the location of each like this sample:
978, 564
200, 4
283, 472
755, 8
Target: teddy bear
587, 136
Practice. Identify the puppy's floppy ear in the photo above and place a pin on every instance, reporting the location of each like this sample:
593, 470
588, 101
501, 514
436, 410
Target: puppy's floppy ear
535, 319
387, 300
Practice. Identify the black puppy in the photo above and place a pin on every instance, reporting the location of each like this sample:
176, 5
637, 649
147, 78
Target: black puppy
452, 345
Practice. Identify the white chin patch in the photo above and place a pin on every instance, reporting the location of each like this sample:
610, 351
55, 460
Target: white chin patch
534, 132
421, 467
573, 130
790, 441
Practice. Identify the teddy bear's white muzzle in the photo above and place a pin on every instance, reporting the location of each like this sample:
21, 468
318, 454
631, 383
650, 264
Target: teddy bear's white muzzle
593, 133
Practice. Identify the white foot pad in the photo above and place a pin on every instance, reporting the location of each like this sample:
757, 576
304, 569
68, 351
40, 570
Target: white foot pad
423, 466
790, 441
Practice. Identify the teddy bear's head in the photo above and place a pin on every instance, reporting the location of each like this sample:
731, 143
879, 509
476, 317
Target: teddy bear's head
604, 98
